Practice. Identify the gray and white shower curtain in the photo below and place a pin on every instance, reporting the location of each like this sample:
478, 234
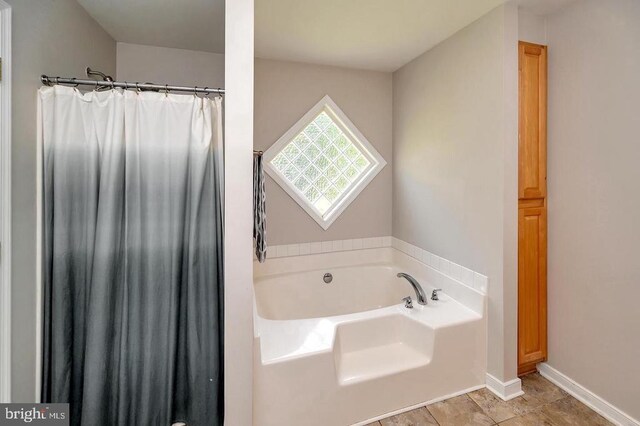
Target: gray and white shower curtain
132, 256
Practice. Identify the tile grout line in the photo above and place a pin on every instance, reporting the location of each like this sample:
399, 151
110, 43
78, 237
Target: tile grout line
431, 414
545, 404
539, 407
482, 409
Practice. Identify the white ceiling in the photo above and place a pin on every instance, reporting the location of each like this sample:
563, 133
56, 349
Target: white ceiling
183, 24
543, 7
371, 34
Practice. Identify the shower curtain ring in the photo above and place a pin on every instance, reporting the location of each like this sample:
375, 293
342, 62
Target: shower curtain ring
138, 87
113, 86
206, 93
75, 87
195, 91
166, 90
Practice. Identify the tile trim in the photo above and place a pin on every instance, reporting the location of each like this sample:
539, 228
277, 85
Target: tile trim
504, 390
420, 405
452, 270
588, 398
446, 267
317, 247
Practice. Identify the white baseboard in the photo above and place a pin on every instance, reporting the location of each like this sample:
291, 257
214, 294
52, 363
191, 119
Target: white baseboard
413, 407
504, 390
588, 398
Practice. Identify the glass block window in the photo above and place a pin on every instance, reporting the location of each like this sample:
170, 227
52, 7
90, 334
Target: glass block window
323, 162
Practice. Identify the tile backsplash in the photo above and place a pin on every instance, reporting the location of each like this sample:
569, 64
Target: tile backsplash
327, 246
457, 272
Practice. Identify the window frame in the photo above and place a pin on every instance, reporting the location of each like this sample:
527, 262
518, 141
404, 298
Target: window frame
377, 162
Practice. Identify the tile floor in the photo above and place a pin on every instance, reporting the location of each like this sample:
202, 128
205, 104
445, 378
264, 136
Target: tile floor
543, 404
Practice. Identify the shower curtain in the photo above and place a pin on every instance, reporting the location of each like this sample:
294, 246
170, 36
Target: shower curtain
132, 256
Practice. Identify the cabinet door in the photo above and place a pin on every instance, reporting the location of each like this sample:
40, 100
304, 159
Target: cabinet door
532, 285
532, 143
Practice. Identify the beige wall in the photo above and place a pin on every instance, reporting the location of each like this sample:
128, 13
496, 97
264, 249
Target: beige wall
54, 38
284, 92
454, 157
163, 65
594, 202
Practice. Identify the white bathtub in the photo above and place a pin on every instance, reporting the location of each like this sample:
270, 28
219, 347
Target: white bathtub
349, 352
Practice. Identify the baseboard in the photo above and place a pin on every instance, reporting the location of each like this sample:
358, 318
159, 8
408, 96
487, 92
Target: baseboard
413, 407
588, 398
504, 390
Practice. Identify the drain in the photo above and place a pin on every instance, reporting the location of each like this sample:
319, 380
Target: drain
327, 278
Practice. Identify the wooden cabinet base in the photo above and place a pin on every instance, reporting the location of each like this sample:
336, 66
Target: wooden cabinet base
529, 368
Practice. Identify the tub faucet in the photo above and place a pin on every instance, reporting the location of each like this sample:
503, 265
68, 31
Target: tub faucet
420, 296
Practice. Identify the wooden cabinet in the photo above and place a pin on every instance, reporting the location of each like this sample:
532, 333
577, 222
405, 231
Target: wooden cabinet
532, 286
532, 126
532, 207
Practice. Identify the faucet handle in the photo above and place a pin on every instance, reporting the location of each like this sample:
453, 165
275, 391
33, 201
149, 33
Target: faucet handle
434, 294
408, 303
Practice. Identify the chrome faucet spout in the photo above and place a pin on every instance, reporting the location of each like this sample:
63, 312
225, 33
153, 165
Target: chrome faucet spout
420, 295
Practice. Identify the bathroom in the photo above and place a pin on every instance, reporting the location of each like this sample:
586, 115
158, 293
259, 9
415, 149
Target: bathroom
440, 193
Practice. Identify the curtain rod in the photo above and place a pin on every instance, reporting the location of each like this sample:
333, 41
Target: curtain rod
105, 84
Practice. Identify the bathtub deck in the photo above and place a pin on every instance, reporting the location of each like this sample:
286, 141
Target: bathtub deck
379, 361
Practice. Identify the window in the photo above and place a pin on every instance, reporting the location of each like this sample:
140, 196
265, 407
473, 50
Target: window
323, 162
